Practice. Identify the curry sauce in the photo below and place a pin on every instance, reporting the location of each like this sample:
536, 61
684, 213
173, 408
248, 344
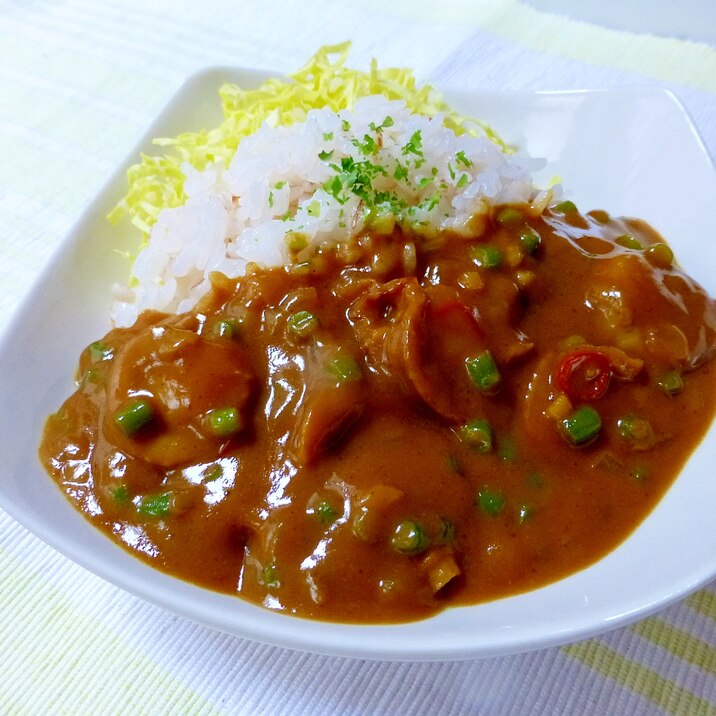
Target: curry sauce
402, 422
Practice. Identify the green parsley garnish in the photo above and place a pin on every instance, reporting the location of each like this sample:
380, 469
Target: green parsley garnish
460, 156
414, 145
400, 172
387, 122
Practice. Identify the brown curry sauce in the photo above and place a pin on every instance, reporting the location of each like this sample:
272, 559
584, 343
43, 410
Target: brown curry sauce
351, 482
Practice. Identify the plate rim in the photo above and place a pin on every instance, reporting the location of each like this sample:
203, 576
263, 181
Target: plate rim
380, 645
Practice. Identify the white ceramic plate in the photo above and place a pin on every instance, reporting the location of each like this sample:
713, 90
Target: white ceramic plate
631, 152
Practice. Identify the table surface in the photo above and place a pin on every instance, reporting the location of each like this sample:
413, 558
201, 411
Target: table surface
79, 83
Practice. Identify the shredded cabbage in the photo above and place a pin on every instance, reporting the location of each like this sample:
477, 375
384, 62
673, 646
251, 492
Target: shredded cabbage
157, 182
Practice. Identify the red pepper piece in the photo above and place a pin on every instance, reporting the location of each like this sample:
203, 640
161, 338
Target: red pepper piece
584, 374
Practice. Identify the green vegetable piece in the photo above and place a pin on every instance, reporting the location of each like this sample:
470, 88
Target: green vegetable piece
582, 426
325, 513
226, 328
530, 240
671, 383
155, 505
447, 531
224, 422
486, 256
92, 377
601, 216
478, 435
344, 369
566, 207
133, 416
484, 373
269, 577
660, 255
454, 465
296, 241
213, 472
632, 427
507, 449
303, 324
463, 159
629, 242
509, 216
525, 512
98, 352
639, 473
120, 495
409, 538
491, 502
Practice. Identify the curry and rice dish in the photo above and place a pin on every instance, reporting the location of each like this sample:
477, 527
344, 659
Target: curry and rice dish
418, 403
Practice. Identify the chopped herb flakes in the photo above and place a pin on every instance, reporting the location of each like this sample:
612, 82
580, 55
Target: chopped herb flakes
462, 159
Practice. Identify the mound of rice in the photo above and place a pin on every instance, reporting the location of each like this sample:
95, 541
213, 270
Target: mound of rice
320, 182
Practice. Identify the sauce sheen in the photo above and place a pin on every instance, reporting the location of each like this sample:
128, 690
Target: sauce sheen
399, 424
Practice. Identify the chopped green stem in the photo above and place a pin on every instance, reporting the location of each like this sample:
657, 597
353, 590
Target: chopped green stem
325, 513
530, 240
409, 538
303, 324
269, 577
491, 502
447, 531
509, 216
478, 435
226, 328
133, 416
224, 422
671, 383
99, 352
155, 505
582, 426
344, 369
632, 427
484, 373
120, 495
213, 472
486, 256
507, 449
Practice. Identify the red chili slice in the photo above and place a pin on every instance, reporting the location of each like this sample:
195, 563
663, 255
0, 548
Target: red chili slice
584, 374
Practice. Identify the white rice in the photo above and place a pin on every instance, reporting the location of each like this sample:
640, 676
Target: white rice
274, 185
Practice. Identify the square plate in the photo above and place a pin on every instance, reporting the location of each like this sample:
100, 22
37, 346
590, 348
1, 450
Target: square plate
631, 151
